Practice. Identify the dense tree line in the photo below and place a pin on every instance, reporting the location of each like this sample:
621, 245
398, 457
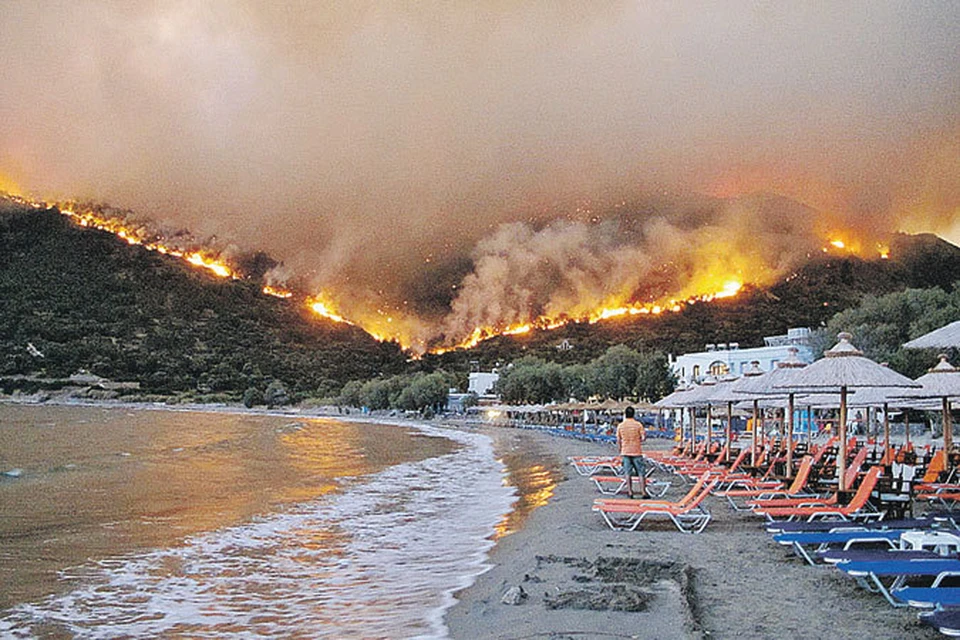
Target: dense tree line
620, 373
424, 392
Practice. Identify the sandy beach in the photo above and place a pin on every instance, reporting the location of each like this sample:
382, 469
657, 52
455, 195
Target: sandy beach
583, 580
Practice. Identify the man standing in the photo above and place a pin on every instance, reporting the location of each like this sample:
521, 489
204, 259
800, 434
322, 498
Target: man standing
630, 437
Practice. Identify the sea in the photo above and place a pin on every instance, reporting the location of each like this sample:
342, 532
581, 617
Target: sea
133, 523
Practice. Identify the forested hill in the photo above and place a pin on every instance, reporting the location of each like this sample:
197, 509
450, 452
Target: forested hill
808, 297
85, 299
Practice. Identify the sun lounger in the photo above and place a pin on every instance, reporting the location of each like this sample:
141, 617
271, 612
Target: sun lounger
795, 490
912, 544
946, 496
946, 621
805, 500
931, 521
590, 465
691, 517
688, 498
928, 597
836, 556
871, 575
612, 485
858, 509
807, 544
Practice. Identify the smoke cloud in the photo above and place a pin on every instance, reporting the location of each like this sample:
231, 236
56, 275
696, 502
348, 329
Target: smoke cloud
433, 166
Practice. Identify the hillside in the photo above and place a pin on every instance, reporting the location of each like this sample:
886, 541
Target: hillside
818, 289
87, 300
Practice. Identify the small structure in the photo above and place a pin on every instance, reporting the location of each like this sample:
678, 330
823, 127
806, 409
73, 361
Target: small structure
481, 383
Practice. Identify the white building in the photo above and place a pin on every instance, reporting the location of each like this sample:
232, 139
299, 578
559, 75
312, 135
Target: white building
724, 358
481, 383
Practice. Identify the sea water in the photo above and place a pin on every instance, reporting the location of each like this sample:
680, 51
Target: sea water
119, 523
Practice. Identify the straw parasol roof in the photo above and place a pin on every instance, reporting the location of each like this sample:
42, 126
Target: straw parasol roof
942, 338
700, 395
843, 367
674, 400
943, 382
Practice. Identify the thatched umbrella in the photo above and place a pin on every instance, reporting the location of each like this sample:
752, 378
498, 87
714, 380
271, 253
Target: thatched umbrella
842, 368
943, 338
942, 382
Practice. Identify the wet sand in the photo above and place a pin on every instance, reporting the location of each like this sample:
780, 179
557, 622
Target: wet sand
583, 580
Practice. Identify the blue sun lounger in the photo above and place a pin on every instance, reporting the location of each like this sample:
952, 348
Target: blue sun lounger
926, 522
836, 556
871, 574
946, 621
914, 545
928, 597
807, 544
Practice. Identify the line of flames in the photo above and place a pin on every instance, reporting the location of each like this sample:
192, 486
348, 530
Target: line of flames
730, 289
321, 305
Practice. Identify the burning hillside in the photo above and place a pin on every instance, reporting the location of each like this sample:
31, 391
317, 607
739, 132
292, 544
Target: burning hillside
639, 259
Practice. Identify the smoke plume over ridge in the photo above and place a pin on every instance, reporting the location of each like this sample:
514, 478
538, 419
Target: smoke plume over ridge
434, 167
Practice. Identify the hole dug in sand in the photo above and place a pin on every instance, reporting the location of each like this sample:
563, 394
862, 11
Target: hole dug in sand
610, 584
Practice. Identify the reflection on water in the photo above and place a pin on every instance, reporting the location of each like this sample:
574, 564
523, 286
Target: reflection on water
379, 557
535, 474
95, 483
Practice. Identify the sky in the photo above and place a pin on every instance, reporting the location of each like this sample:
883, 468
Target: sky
435, 166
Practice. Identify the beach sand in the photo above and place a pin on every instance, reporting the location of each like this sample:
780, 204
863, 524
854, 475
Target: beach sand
583, 580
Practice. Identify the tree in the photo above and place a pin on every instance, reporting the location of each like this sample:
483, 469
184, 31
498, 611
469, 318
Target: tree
531, 380
275, 395
654, 377
576, 381
350, 394
615, 372
424, 391
252, 397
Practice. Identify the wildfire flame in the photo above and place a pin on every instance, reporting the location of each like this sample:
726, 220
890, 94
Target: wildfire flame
716, 279
323, 308
277, 292
730, 289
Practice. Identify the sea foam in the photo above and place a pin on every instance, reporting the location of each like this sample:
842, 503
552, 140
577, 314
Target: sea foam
382, 558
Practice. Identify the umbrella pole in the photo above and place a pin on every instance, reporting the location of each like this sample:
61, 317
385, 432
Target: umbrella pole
709, 427
842, 452
753, 435
693, 430
886, 430
947, 427
790, 436
810, 428
783, 427
726, 456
